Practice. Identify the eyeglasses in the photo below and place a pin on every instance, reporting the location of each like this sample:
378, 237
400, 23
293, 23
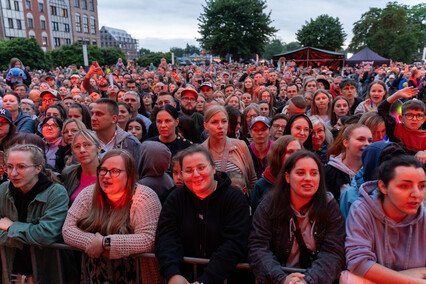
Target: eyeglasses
185, 99
305, 130
3, 124
50, 126
318, 133
200, 169
50, 101
411, 116
278, 126
112, 172
19, 168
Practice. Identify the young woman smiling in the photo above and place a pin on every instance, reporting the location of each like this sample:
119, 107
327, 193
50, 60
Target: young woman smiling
345, 157
299, 225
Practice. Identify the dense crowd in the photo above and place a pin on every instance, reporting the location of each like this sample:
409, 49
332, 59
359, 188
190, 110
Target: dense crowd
303, 167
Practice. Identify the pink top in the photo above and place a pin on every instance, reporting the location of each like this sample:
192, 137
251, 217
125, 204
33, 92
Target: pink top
85, 181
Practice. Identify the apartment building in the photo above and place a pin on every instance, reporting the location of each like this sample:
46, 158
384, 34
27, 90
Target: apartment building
112, 37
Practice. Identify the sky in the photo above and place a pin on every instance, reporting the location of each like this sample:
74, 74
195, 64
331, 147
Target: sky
174, 23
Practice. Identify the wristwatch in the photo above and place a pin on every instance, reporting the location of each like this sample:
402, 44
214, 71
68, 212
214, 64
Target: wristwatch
107, 242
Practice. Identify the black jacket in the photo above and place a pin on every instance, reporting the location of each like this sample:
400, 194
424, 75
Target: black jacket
216, 227
270, 245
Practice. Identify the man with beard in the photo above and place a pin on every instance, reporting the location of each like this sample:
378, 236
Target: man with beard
188, 108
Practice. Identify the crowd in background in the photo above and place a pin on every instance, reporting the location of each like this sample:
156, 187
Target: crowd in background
285, 165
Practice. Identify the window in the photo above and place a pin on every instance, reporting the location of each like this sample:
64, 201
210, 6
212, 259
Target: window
55, 26
83, 4
53, 10
28, 4
76, 3
10, 21
43, 24
8, 6
92, 25
91, 5
57, 41
77, 23
67, 41
44, 40
65, 13
30, 22
40, 7
85, 24
32, 36
66, 28
16, 5
19, 24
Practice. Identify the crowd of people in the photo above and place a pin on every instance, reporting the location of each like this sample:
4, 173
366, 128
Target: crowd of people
318, 170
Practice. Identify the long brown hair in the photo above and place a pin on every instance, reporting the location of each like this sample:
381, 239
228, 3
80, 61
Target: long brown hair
104, 217
337, 147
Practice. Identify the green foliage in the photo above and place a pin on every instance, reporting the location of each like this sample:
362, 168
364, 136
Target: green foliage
27, 50
395, 32
154, 58
275, 46
236, 27
187, 51
324, 32
144, 51
73, 54
179, 52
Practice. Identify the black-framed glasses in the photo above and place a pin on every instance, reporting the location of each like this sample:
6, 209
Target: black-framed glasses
50, 126
412, 116
113, 172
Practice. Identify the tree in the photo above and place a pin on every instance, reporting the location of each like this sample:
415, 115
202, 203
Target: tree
291, 46
154, 58
73, 54
190, 49
395, 32
144, 51
273, 47
179, 52
236, 27
27, 50
324, 32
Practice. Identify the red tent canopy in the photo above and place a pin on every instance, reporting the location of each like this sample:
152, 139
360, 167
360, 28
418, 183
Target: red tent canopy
315, 57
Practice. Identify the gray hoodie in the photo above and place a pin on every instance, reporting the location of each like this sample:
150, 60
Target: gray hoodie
372, 237
153, 164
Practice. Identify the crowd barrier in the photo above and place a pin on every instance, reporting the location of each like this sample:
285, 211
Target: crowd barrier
58, 247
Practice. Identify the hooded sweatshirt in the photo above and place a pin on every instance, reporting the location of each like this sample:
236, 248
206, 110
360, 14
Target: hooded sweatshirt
372, 237
370, 169
338, 176
152, 167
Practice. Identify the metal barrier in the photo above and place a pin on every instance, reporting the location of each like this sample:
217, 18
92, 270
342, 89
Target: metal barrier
58, 247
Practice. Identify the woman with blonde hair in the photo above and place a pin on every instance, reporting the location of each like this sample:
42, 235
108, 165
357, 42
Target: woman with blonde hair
229, 155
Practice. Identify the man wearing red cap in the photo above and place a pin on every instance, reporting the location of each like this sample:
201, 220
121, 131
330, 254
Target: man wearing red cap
188, 106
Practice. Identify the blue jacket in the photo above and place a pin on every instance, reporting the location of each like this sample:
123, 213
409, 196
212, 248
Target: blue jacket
24, 123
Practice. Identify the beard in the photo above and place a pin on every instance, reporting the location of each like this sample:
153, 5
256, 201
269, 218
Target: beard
187, 111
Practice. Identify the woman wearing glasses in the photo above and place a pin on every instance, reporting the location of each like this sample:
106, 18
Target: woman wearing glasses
112, 220
300, 127
51, 130
64, 154
207, 218
33, 207
321, 137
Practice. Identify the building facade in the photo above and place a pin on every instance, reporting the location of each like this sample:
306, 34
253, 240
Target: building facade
84, 17
111, 37
51, 22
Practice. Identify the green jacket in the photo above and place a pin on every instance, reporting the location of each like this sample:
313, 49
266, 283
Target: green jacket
46, 215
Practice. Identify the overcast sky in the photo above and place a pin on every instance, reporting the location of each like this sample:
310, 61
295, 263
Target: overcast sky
168, 23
